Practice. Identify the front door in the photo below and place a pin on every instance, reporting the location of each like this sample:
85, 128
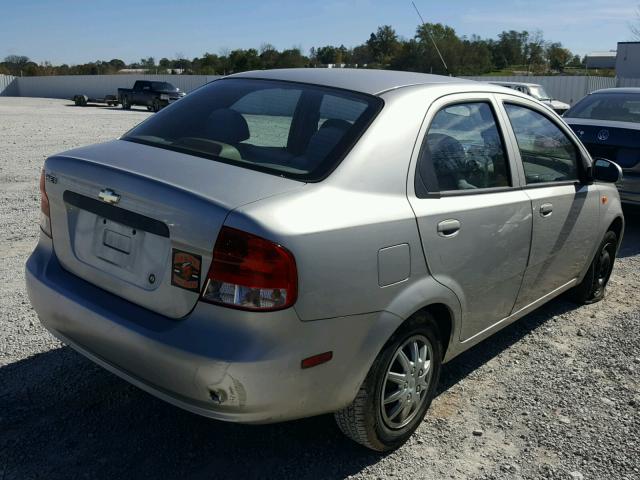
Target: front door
565, 207
474, 220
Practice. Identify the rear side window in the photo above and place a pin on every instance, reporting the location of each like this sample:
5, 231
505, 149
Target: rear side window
548, 155
462, 150
294, 130
160, 86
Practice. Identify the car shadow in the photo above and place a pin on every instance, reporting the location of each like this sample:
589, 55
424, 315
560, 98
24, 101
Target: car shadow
631, 239
472, 359
63, 417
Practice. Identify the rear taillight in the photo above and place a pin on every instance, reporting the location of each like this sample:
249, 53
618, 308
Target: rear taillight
45, 216
250, 273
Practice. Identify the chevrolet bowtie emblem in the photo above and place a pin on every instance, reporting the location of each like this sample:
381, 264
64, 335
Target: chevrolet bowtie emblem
109, 196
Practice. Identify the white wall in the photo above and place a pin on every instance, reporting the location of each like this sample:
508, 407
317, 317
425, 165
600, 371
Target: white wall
8, 86
97, 86
568, 89
628, 60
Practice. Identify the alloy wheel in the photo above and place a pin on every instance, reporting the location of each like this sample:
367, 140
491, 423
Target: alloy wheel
406, 382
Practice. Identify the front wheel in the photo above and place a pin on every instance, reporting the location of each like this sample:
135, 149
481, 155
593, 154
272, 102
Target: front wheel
592, 288
398, 389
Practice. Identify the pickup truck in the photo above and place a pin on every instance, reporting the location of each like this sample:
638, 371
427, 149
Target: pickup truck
153, 95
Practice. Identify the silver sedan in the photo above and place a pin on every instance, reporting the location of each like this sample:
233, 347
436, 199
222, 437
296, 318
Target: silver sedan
281, 244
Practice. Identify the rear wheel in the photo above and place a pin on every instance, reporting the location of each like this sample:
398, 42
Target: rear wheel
593, 286
156, 106
125, 103
398, 389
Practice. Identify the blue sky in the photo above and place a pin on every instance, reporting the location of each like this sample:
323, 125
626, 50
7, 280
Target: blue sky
81, 31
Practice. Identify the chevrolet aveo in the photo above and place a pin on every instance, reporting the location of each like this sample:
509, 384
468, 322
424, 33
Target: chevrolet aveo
281, 244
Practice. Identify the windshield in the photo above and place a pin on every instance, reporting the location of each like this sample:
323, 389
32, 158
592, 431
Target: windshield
162, 86
620, 107
294, 130
538, 92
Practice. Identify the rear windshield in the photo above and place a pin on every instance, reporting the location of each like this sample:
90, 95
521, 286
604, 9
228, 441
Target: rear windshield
538, 92
289, 129
620, 107
159, 86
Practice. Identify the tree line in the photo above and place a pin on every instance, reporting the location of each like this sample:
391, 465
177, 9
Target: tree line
435, 48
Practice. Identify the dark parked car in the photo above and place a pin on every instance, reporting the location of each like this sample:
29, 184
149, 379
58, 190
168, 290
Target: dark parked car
608, 123
153, 95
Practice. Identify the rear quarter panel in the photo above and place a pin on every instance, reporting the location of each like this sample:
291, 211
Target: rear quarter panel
336, 228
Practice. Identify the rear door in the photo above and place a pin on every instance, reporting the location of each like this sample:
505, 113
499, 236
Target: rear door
565, 207
474, 220
141, 91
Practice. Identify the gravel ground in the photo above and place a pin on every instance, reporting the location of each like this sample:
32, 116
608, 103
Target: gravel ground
556, 395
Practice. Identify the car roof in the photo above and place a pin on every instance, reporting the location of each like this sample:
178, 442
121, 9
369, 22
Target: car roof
523, 84
618, 90
363, 80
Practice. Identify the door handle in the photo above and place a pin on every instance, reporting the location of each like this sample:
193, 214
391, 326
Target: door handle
546, 209
448, 228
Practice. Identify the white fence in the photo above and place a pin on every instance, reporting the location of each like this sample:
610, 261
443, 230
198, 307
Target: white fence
8, 86
568, 89
97, 86
629, 82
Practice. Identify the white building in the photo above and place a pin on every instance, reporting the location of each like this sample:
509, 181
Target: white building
628, 61
601, 59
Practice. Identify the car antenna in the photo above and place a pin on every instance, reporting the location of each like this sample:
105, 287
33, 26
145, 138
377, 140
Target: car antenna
431, 37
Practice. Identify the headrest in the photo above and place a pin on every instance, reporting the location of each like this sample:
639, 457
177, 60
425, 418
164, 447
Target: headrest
226, 125
441, 144
336, 123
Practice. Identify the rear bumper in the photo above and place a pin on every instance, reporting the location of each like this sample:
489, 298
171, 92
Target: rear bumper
629, 188
252, 361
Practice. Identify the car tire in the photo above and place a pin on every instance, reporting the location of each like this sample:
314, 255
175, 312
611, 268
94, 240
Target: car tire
125, 104
593, 286
377, 424
156, 106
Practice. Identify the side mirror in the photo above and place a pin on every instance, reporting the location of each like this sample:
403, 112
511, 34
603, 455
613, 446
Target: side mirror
606, 171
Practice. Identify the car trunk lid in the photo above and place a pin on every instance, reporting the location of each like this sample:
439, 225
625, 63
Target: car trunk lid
616, 141
141, 222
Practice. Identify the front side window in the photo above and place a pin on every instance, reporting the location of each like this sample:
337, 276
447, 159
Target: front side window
548, 155
462, 150
294, 130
